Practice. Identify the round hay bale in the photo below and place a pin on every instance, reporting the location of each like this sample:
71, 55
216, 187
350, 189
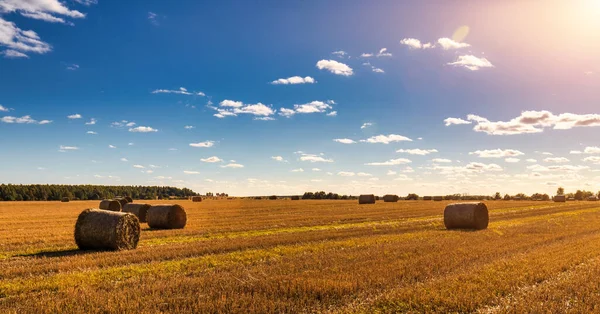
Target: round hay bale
102, 229
560, 198
438, 198
390, 198
129, 199
121, 201
366, 199
196, 199
166, 217
258, 198
112, 205
273, 197
427, 198
466, 216
295, 198
65, 200
139, 210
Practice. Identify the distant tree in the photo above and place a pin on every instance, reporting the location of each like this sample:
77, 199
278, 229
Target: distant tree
507, 197
578, 195
560, 191
412, 196
497, 196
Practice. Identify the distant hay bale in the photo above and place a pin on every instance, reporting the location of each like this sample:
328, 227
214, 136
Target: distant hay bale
102, 229
121, 201
427, 198
592, 198
295, 198
273, 197
112, 205
139, 210
129, 199
166, 217
466, 216
196, 199
438, 198
366, 199
258, 198
560, 198
65, 200
390, 198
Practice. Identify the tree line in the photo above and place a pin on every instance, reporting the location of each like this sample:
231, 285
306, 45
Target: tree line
55, 192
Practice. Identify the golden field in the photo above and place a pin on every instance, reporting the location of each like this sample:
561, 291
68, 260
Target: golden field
308, 256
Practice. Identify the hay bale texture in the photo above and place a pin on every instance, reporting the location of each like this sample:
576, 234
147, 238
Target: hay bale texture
112, 205
196, 199
390, 198
438, 198
427, 198
139, 210
121, 201
295, 198
65, 200
129, 199
466, 216
560, 198
366, 199
166, 217
106, 230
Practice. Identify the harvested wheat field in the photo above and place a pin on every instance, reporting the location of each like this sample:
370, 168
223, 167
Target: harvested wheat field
307, 256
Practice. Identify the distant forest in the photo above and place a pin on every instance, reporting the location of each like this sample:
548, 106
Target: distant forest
55, 192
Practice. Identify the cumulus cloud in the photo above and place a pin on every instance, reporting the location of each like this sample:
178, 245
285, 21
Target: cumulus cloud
592, 150
203, 144
315, 106
497, 153
74, 116
180, 91
122, 124
471, 62
364, 174
294, 80
340, 53
277, 158
212, 159
403, 177
23, 120
346, 174
366, 125
417, 151
386, 139
112, 146
441, 160
335, 67
557, 159
451, 121
124, 159
91, 122
512, 160
13, 54
232, 165
562, 168
314, 158
447, 44
139, 166
298, 170
592, 159
189, 127
344, 140
391, 162
142, 129
191, 172
4, 109
414, 43
332, 114
231, 108
531, 160
473, 167
383, 52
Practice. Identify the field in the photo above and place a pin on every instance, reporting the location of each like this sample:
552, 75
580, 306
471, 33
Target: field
308, 256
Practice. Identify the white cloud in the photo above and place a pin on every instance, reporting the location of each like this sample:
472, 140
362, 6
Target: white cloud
278, 158
212, 159
91, 122
386, 139
65, 148
340, 53
557, 159
130, 144
364, 174
448, 44
417, 151
392, 162
592, 150
190, 172
366, 55
112, 146
383, 52
451, 121
497, 153
314, 158
335, 67
73, 67
441, 160
316, 169
203, 144
414, 43
19, 40
332, 114
315, 106
143, 129
231, 103
232, 165
13, 54
294, 80
565, 168
91, 132
124, 159
152, 18
377, 70
298, 170
74, 116
122, 123
344, 140
189, 127
180, 91
575, 152
23, 120
472, 63
4, 109
139, 166
366, 125
592, 159
473, 167
346, 174
391, 173
512, 160
531, 160
230, 108
408, 169
403, 177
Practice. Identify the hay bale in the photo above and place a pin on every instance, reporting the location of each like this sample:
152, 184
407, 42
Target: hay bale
112, 205
65, 200
560, 198
466, 216
129, 199
438, 198
390, 198
102, 229
273, 197
366, 199
593, 198
427, 198
196, 198
295, 198
258, 198
166, 217
121, 201
139, 210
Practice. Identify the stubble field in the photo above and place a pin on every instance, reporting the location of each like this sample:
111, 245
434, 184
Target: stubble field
308, 256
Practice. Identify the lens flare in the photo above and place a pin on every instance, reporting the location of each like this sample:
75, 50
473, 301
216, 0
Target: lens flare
460, 33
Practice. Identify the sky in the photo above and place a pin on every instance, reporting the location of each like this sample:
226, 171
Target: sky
283, 97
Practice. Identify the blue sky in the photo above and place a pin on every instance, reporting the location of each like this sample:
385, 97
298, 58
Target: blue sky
287, 97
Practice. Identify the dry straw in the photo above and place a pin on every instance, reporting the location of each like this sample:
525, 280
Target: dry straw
112, 205
166, 217
139, 210
466, 216
390, 198
102, 230
196, 199
560, 198
366, 199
